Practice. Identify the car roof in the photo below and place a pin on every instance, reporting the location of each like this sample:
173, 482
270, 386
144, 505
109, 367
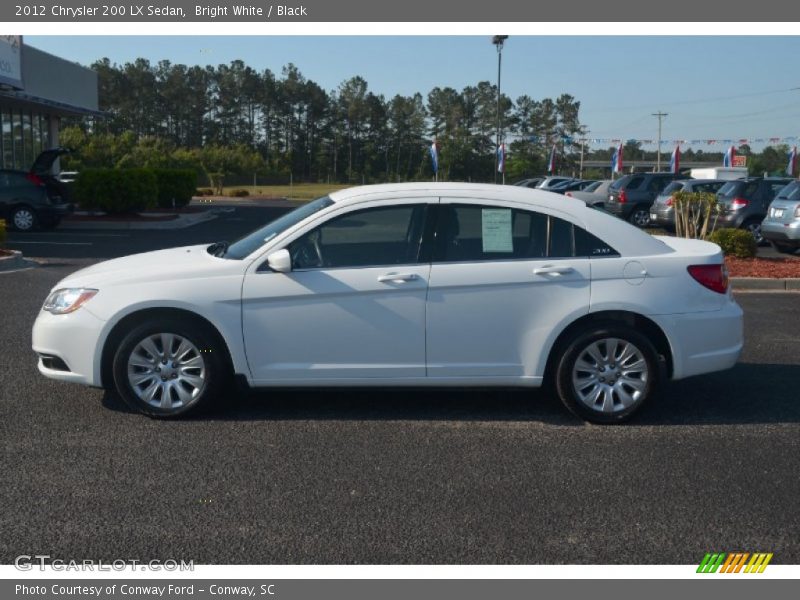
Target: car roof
628, 240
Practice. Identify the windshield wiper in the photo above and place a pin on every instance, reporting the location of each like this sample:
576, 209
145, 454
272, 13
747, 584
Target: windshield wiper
218, 249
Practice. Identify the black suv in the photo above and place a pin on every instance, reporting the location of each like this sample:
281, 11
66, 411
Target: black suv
743, 203
34, 198
631, 196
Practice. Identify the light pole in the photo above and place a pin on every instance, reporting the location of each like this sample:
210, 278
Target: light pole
498, 41
660, 115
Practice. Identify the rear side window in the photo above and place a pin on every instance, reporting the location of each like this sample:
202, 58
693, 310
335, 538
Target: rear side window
468, 233
634, 183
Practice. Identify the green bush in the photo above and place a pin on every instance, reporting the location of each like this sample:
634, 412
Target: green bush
2, 233
175, 187
116, 190
735, 242
239, 193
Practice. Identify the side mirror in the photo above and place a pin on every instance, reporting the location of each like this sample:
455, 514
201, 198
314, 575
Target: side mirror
280, 261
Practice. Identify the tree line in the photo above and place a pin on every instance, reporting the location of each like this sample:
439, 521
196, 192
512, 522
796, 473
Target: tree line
235, 120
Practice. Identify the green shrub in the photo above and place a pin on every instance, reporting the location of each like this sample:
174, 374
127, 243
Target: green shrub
2, 233
239, 193
204, 192
116, 190
175, 187
735, 242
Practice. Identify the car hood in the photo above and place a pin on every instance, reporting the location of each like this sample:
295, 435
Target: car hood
149, 267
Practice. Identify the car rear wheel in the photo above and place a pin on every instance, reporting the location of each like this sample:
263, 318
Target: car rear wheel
754, 227
23, 218
640, 216
606, 374
169, 368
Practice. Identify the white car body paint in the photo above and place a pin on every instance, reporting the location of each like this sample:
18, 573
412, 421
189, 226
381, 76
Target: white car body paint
472, 323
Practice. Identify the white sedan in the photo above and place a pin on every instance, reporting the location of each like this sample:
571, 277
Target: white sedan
402, 285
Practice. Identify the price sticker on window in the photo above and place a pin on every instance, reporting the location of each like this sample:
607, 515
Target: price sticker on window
496, 230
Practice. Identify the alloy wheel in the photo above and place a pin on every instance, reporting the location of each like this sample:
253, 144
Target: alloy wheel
610, 375
166, 370
24, 219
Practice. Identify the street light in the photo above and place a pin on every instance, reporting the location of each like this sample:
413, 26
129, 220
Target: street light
498, 41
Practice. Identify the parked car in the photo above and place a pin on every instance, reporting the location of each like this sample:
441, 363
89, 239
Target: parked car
631, 196
552, 181
743, 203
574, 185
662, 212
67, 176
402, 285
34, 198
530, 183
781, 227
594, 195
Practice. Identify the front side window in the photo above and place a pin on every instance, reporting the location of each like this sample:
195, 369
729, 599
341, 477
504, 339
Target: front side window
362, 238
469, 233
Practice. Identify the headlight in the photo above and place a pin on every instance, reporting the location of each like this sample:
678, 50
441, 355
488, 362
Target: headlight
67, 300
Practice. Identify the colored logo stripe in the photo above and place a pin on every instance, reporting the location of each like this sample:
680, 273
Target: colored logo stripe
734, 562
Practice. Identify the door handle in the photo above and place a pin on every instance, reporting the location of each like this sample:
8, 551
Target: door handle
398, 277
548, 270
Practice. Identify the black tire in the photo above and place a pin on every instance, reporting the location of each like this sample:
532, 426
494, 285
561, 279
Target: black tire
783, 248
23, 218
754, 227
215, 369
640, 215
576, 348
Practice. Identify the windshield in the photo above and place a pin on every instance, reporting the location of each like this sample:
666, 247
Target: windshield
253, 241
729, 188
619, 183
672, 187
592, 186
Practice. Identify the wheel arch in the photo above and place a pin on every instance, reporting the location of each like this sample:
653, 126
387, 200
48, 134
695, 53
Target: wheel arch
137, 317
632, 319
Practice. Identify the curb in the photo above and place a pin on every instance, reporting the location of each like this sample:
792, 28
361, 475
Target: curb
15, 262
763, 283
182, 222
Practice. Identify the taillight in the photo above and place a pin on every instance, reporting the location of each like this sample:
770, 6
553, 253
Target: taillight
739, 203
568, 194
34, 179
714, 277
622, 197
669, 201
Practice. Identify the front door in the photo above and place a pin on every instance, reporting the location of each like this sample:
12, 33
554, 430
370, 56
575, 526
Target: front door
353, 306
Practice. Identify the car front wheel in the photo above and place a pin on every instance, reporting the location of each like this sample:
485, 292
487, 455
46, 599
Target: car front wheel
606, 374
166, 368
23, 218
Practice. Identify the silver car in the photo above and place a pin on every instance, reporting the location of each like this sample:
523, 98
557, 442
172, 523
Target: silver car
781, 227
594, 195
662, 213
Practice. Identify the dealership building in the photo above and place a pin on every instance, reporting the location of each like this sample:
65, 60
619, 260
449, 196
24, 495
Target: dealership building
38, 90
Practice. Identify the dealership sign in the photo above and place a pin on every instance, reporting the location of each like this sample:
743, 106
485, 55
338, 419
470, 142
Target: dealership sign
739, 160
11, 61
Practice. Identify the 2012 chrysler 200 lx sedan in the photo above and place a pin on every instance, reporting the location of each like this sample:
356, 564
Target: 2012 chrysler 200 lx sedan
402, 285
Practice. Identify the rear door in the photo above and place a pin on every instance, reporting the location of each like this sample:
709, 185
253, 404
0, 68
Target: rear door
502, 280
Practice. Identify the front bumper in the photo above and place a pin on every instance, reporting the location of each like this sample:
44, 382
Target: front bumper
704, 342
74, 340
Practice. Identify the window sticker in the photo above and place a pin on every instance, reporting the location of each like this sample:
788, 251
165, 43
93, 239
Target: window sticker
496, 230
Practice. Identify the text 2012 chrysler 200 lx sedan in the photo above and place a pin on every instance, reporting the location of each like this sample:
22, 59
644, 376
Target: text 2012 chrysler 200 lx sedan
402, 285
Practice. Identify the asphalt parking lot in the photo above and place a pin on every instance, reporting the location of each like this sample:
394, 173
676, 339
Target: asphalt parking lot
377, 476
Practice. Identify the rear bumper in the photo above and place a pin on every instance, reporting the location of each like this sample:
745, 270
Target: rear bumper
781, 232
664, 218
704, 342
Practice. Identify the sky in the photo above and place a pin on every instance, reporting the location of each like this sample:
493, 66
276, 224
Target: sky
711, 87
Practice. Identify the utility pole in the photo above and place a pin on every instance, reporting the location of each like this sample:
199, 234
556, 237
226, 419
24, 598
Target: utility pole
580, 172
498, 41
660, 115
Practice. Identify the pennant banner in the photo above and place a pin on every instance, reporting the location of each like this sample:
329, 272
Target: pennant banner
650, 142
